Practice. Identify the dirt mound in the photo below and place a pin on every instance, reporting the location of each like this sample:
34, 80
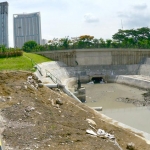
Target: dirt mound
36, 117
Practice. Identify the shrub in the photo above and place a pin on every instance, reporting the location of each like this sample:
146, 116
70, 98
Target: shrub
11, 53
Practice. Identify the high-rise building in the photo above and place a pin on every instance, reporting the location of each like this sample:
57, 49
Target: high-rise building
44, 41
27, 27
4, 24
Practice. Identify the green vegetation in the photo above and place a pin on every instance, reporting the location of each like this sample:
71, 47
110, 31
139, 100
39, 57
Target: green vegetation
36, 58
9, 52
21, 62
29, 46
132, 38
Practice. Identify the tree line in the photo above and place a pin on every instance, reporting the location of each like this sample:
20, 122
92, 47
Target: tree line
132, 38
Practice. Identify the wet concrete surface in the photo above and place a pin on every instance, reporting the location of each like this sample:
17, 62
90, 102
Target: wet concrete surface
105, 95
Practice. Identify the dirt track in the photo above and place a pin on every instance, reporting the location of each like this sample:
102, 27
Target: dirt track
35, 117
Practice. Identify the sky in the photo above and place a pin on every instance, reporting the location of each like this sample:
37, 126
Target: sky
73, 18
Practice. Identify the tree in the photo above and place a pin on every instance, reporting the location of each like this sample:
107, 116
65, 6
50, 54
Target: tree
54, 44
65, 42
85, 41
95, 43
133, 38
30, 46
108, 43
3, 48
119, 36
102, 43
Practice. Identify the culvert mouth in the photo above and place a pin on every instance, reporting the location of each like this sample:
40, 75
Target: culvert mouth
97, 80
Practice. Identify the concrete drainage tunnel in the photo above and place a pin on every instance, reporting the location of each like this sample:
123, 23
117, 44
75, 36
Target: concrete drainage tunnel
97, 79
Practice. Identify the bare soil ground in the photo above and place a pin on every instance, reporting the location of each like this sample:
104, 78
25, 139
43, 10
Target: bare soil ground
36, 117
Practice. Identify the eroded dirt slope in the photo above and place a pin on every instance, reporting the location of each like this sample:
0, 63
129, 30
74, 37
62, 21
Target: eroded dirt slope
36, 117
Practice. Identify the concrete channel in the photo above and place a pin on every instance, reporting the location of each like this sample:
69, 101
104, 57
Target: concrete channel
132, 75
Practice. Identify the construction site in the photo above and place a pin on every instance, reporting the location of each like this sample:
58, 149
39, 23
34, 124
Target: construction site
43, 110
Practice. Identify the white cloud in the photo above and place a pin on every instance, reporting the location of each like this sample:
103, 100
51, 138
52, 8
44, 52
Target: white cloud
138, 16
90, 18
140, 6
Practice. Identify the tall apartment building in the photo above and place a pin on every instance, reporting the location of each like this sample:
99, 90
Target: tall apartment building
4, 24
27, 27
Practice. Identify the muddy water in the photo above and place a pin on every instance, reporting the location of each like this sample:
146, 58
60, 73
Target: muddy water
105, 95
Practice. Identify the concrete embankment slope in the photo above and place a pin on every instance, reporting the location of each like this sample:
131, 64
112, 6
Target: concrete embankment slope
57, 73
137, 75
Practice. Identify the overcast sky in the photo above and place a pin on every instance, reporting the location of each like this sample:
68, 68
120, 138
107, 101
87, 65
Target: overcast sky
99, 18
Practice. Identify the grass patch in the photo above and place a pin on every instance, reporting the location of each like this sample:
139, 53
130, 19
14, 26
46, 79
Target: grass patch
21, 62
36, 58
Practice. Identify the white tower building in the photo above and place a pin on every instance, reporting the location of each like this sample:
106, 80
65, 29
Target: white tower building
27, 27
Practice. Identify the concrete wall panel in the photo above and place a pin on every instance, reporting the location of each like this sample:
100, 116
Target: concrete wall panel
99, 56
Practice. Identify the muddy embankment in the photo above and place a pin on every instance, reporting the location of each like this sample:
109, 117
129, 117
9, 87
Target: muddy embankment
36, 117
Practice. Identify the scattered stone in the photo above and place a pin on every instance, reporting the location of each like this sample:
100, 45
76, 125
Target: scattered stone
18, 87
90, 121
39, 81
130, 146
57, 106
29, 108
2, 99
40, 85
38, 112
25, 87
59, 101
35, 77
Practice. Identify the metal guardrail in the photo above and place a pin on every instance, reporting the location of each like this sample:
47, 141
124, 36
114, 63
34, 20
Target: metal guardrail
55, 79
39, 69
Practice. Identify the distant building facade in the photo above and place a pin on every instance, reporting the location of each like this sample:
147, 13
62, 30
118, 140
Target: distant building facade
27, 27
4, 23
44, 41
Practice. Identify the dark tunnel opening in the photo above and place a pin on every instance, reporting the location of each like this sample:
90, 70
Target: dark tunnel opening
97, 80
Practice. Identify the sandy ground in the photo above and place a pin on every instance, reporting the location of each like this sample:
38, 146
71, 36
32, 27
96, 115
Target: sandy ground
35, 117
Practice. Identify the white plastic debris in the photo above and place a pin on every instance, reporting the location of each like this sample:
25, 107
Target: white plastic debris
110, 136
101, 132
89, 131
91, 82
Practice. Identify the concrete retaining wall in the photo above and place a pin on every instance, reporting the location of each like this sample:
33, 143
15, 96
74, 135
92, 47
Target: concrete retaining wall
84, 57
131, 80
